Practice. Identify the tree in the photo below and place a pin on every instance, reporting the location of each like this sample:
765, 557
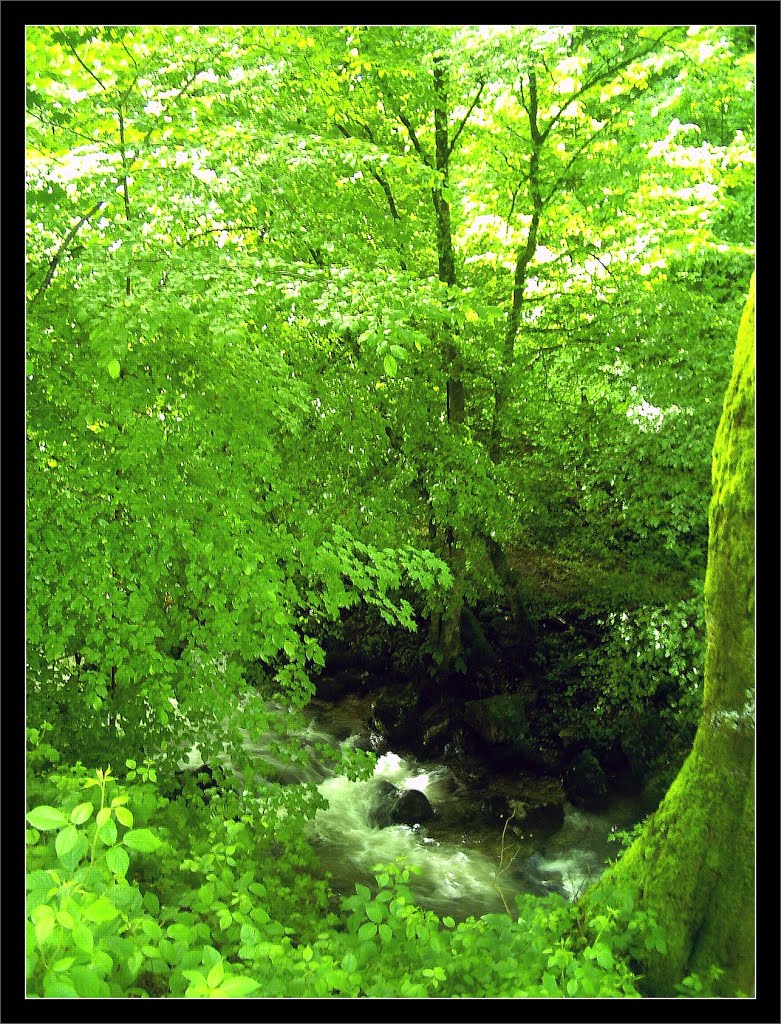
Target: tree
313, 287
693, 865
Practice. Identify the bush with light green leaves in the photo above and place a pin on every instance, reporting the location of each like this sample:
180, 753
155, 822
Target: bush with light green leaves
132, 894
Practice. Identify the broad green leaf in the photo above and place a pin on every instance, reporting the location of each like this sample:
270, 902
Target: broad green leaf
57, 986
88, 983
134, 962
367, 931
46, 818
604, 956
390, 364
102, 910
43, 918
215, 975
114, 369
238, 988
81, 813
118, 860
374, 912
102, 816
83, 938
124, 816
66, 840
108, 833
141, 839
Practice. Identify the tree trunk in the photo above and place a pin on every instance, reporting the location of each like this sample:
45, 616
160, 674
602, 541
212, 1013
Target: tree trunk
445, 628
693, 865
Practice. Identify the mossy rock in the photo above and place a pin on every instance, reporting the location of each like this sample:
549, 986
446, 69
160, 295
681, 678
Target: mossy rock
500, 726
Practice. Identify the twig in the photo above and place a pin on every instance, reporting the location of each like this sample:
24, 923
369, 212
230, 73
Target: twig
503, 867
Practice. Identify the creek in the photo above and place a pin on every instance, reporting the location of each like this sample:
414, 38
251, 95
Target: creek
467, 863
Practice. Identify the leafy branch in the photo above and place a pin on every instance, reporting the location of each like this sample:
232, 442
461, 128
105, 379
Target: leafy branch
63, 248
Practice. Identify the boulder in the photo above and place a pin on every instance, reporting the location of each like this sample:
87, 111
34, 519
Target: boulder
499, 725
542, 880
585, 782
399, 807
338, 683
395, 715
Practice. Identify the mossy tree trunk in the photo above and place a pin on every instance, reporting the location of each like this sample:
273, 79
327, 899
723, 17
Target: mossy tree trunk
693, 865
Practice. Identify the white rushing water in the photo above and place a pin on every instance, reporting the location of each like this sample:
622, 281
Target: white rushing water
453, 875
453, 879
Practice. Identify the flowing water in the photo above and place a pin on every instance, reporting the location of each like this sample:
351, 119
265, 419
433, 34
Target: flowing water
466, 866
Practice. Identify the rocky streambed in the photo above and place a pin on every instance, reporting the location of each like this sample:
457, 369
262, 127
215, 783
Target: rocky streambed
478, 835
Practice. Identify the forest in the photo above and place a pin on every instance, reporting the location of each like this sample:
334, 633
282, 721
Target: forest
390, 511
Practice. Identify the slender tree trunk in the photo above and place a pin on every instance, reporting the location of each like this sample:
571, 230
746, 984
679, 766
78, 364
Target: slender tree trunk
445, 629
525, 256
693, 865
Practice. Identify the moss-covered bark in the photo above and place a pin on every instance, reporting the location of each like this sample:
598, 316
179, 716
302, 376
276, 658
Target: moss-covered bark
693, 865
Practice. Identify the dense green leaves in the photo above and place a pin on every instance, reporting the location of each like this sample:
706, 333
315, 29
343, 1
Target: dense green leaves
326, 316
204, 926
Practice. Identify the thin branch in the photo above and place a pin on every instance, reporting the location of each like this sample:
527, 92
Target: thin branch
466, 118
367, 129
60, 127
503, 867
388, 194
607, 73
124, 47
213, 231
63, 248
377, 177
87, 69
512, 204
414, 139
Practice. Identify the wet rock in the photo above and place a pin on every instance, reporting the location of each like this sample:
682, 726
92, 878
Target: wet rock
437, 726
187, 780
336, 685
496, 720
395, 714
540, 879
478, 654
399, 807
535, 803
499, 724
543, 817
586, 783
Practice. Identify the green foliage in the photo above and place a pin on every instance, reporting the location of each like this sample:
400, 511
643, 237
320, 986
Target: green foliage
116, 910
264, 263
693, 986
634, 676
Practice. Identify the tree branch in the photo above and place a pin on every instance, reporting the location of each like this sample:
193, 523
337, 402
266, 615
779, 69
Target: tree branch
607, 73
414, 139
63, 249
89, 70
388, 194
213, 231
466, 118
